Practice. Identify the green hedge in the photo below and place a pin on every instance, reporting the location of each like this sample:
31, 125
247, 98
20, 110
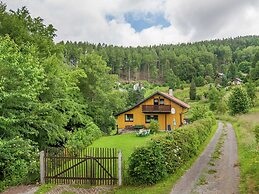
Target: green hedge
165, 153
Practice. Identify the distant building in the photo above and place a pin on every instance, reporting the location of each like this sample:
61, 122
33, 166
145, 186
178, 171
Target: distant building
237, 81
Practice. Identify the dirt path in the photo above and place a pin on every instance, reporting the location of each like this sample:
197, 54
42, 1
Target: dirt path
22, 189
216, 170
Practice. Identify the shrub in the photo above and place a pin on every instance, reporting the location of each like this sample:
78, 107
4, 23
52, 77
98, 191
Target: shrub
238, 101
154, 126
147, 165
18, 162
200, 112
83, 137
171, 150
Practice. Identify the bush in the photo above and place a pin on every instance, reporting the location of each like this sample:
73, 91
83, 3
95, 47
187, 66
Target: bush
19, 162
147, 165
200, 112
171, 150
154, 126
81, 138
239, 101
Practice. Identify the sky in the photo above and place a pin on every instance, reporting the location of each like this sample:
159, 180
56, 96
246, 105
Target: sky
145, 22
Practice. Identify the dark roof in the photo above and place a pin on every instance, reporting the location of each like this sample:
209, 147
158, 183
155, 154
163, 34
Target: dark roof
171, 98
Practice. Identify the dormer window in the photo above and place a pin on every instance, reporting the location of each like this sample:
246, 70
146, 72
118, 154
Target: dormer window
156, 101
161, 101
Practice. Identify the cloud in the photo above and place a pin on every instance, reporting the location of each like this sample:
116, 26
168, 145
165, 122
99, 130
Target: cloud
163, 21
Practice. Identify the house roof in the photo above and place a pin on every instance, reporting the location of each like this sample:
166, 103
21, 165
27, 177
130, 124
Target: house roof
171, 98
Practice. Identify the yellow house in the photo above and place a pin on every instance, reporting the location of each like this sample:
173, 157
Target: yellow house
165, 108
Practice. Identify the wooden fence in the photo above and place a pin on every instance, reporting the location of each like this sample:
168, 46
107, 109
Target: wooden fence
94, 166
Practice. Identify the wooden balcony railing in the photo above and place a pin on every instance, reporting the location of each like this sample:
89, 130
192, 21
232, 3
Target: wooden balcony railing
156, 108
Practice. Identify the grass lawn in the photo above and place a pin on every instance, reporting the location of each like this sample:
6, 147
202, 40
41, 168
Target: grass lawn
125, 142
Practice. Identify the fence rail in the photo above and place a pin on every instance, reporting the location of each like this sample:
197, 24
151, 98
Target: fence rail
94, 166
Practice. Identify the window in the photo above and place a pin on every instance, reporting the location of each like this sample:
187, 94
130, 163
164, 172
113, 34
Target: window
129, 117
156, 101
162, 102
150, 117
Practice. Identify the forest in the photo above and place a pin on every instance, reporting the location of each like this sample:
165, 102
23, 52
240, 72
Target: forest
175, 65
66, 94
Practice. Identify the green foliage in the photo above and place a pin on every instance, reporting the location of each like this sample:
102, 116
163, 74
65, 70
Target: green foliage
199, 81
97, 89
135, 96
22, 81
166, 153
217, 101
214, 98
81, 138
256, 131
200, 112
45, 188
255, 72
154, 126
192, 90
238, 101
147, 165
251, 92
19, 162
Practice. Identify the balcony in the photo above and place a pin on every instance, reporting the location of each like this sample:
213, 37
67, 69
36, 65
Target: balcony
156, 108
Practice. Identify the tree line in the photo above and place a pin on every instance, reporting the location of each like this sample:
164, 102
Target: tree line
177, 64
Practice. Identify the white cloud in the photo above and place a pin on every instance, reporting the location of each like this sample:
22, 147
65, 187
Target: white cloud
191, 20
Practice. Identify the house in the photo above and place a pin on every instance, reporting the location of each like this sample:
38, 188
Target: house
237, 81
165, 108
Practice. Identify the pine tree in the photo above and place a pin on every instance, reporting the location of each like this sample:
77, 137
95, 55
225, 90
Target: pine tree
193, 90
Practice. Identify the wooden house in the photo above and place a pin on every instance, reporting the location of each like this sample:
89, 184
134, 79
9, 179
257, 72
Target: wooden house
162, 107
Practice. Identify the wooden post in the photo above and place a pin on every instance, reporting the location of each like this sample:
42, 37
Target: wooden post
42, 168
119, 168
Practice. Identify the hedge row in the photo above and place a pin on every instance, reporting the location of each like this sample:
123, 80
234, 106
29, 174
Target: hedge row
164, 154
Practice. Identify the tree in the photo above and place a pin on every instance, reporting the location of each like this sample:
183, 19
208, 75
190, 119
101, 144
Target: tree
238, 101
251, 92
232, 72
22, 81
255, 72
193, 90
214, 98
97, 89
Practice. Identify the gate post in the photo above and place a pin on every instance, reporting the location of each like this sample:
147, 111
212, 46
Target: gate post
42, 167
119, 168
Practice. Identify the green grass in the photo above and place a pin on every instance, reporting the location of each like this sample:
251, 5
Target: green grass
45, 188
218, 149
212, 171
166, 185
125, 142
248, 155
202, 181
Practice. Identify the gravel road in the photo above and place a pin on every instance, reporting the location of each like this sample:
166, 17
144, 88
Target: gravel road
222, 176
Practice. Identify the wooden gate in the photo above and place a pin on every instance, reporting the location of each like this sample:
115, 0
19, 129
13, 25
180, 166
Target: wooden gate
94, 166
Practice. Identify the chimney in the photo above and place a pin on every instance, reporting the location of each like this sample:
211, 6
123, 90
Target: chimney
170, 92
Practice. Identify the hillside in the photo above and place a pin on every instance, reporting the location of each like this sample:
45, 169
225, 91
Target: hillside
175, 64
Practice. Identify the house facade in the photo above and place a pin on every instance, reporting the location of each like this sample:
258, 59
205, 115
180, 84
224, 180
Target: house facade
165, 108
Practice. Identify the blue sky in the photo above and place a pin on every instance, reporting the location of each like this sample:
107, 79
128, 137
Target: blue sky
140, 21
